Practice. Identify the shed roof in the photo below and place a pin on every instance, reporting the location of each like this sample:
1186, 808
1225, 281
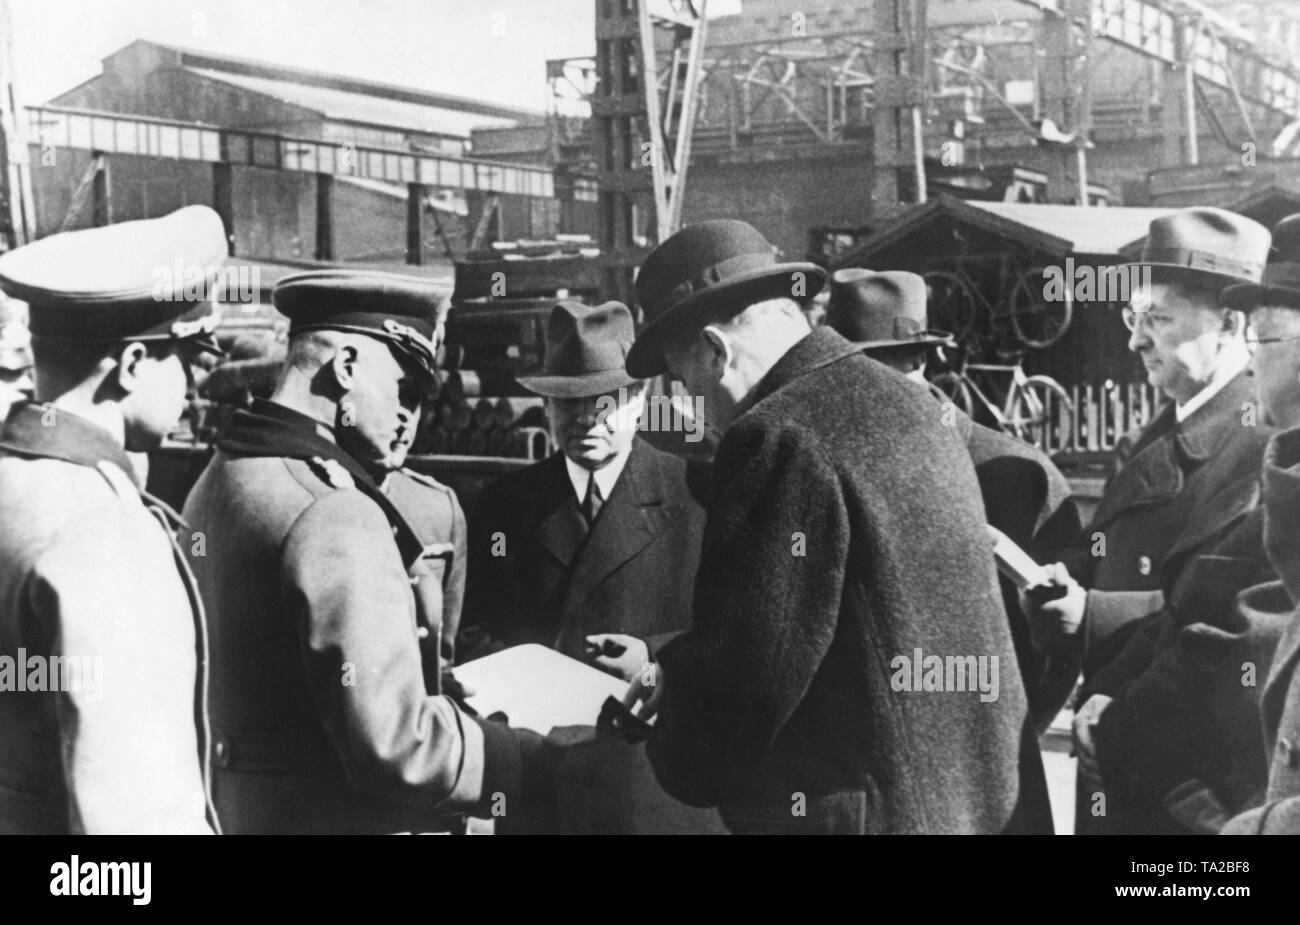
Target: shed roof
1056, 230
346, 106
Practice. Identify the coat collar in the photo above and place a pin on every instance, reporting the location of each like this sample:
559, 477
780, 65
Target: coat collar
47, 432
271, 429
820, 348
1208, 428
1155, 472
629, 519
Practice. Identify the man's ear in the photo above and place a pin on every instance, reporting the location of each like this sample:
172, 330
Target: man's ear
129, 363
720, 349
343, 367
1234, 323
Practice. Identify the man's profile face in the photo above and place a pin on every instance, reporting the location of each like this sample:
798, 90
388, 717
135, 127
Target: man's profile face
594, 429
15, 385
378, 415
1178, 333
693, 362
1276, 366
157, 400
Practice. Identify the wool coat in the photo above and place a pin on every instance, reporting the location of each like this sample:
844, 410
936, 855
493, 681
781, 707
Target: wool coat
1027, 498
846, 539
1181, 487
1186, 696
1265, 608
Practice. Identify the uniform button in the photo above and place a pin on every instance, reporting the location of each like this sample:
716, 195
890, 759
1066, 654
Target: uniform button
1144, 565
222, 753
422, 632
415, 580
1289, 753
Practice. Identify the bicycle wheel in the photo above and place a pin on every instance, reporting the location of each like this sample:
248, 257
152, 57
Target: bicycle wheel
1042, 414
1038, 323
952, 305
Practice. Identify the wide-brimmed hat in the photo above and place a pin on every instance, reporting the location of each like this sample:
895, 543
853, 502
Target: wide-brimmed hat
715, 264
885, 309
1209, 243
1280, 284
586, 349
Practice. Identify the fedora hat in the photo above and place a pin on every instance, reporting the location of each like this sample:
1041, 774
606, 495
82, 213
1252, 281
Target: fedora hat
716, 264
881, 309
1210, 243
586, 349
1280, 284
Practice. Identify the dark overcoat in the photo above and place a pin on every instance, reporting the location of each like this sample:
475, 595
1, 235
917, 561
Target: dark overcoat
1179, 490
1027, 498
1266, 607
554, 583
1186, 695
846, 537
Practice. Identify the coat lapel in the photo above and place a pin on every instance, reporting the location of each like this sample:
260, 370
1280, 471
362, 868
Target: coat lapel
1216, 514
561, 531
632, 516
1151, 475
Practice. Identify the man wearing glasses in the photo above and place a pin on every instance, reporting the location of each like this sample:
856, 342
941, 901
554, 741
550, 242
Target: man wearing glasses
1183, 486
1270, 609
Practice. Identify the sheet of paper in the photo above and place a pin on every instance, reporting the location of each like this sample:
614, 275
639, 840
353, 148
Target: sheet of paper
538, 688
1015, 563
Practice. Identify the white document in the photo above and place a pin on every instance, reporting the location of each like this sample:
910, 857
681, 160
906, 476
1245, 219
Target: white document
1014, 562
538, 688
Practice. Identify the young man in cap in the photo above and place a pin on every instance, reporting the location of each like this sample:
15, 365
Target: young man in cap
323, 716
102, 700
1270, 609
593, 551
15, 355
1184, 487
845, 547
1025, 495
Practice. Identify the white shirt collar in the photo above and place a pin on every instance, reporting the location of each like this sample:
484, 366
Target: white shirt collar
606, 476
1233, 363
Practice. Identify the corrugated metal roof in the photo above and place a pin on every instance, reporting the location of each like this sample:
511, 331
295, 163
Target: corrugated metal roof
358, 107
1092, 230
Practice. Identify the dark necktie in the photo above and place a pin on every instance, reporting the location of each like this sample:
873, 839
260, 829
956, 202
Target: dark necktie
592, 501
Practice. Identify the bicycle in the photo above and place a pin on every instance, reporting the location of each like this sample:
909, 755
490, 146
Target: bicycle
1037, 409
1029, 321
